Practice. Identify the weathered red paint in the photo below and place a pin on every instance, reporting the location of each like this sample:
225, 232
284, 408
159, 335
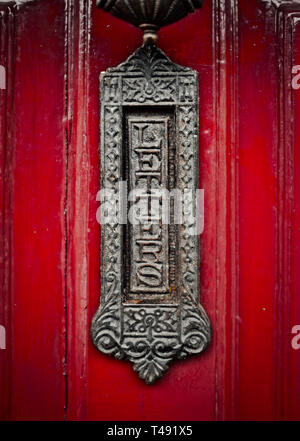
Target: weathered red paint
34, 163
50, 253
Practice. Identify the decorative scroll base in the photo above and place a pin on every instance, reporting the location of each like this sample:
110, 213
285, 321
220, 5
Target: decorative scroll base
151, 350
150, 317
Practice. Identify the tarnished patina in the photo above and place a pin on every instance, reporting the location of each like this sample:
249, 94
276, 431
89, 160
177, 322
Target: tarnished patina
150, 312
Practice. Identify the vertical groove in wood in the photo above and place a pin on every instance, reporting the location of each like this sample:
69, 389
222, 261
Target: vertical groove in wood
77, 289
218, 17
287, 225
226, 115
278, 349
67, 136
283, 390
292, 400
7, 23
234, 210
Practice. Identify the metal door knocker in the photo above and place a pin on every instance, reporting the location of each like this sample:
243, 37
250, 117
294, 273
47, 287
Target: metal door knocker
150, 312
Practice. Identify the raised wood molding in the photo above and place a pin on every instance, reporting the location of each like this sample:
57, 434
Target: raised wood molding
7, 55
79, 147
226, 46
287, 17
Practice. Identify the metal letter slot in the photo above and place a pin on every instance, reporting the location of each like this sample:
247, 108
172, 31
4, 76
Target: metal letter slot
149, 312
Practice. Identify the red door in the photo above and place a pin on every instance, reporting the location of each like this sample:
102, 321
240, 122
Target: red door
246, 53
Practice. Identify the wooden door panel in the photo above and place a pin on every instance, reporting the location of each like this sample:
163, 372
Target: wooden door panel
244, 52
258, 182
179, 394
34, 166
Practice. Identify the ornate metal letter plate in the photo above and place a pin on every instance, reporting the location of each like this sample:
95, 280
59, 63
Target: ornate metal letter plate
150, 311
